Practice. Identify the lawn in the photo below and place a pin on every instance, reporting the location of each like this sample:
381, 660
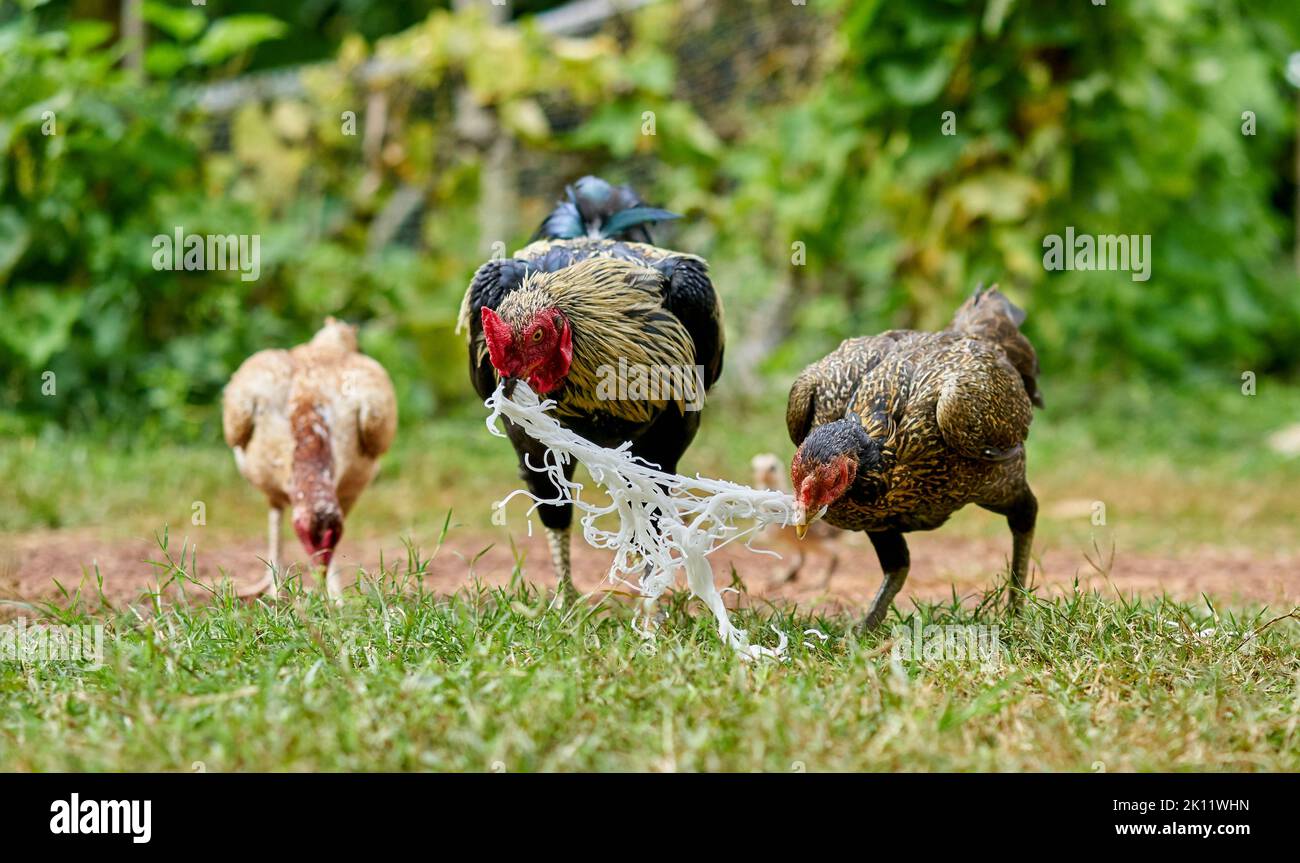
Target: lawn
495, 678
498, 680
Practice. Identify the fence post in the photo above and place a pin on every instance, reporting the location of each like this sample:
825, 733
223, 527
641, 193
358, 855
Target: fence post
497, 188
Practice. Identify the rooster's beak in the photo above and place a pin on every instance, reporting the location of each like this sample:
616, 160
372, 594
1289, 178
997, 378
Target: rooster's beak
508, 383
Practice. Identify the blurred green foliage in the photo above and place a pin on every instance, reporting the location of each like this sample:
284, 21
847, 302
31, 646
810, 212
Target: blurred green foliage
828, 149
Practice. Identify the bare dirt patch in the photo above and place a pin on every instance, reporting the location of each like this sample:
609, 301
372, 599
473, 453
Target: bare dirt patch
837, 573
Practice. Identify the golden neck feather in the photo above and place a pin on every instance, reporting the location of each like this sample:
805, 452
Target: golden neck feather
615, 308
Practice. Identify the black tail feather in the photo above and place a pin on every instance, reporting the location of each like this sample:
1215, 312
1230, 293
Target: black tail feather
593, 207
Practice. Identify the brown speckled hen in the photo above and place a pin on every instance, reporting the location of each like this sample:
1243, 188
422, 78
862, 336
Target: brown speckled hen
898, 431
308, 426
591, 301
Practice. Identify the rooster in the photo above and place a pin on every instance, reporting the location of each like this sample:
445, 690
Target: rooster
625, 336
308, 426
898, 431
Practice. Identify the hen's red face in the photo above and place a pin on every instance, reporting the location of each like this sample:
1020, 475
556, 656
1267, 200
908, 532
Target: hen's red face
319, 534
540, 352
819, 484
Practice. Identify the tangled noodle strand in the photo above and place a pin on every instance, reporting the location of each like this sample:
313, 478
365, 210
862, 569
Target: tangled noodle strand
696, 515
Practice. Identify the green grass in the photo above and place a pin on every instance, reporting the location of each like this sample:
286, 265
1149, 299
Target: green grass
400, 679
404, 679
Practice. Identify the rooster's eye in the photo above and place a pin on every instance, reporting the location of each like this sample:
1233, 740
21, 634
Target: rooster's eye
537, 335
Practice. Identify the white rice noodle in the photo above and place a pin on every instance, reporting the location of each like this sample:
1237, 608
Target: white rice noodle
696, 515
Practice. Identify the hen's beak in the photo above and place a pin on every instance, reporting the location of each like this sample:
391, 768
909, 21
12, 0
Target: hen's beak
800, 520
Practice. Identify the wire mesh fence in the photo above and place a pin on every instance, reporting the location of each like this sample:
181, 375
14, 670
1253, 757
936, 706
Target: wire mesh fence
728, 58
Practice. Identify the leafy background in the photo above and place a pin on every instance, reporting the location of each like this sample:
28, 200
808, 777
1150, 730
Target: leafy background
775, 125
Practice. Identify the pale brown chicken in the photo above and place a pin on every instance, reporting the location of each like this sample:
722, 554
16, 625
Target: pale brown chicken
308, 426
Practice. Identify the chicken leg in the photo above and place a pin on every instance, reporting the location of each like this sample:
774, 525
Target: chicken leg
558, 540
1022, 516
273, 549
891, 549
268, 585
333, 583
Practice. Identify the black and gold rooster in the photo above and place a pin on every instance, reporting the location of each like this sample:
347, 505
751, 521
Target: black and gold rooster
626, 337
897, 432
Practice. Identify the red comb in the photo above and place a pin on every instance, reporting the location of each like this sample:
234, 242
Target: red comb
498, 335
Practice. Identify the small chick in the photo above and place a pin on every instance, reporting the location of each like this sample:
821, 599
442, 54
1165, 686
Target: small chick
769, 472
